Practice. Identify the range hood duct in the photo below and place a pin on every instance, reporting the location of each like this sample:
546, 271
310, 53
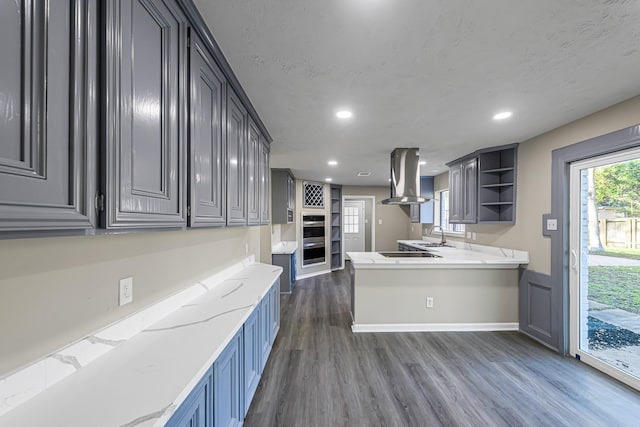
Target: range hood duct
405, 178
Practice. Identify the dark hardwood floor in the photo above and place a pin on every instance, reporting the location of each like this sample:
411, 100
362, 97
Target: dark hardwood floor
322, 374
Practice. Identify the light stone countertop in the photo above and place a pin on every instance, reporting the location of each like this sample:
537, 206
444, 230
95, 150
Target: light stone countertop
284, 247
462, 255
143, 381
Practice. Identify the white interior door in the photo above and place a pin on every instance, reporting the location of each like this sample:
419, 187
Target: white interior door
603, 278
353, 218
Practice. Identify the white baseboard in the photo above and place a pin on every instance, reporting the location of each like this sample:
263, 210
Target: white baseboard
317, 273
433, 327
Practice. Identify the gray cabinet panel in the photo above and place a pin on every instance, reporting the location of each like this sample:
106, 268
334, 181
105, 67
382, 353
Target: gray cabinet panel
48, 77
282, 196
455, 194
206, 140
145, 75
265, 182
236, 156
463, 192
470, 191
253, 174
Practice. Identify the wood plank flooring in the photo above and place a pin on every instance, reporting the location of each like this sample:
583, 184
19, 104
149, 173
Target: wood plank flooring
322, 374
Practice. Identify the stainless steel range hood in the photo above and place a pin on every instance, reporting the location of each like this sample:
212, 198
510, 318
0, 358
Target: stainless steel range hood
405, 178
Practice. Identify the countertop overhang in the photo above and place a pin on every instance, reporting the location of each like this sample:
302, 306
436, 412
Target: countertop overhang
462, 255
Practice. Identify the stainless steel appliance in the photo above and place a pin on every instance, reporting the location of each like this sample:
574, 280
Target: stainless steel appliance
405, 178
313, 239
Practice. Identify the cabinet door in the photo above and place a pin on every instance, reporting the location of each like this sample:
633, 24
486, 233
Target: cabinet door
252, 354
265, 183
265, 329
144, 106
253, 174
227, 393
236, 155
291, 191
414, 213
470, 193
274, 305
206, 139
455, 194
196, 410
48, 82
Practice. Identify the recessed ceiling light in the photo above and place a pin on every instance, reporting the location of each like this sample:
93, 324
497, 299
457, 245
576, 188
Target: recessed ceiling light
422, 162
389, 179
344, 114
332, 163
503, 115
328, 179
364, 173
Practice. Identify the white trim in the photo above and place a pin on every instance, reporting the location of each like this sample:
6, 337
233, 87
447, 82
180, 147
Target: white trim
317, 273
433, 327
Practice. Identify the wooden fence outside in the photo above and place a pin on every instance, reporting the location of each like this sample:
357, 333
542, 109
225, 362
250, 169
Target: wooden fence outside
620, 233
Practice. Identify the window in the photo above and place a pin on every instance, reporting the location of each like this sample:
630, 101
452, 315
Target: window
444, 215
350, 220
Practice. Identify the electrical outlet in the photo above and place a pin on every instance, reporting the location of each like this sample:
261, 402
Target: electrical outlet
552, 224
379, 222
473, 235
126, 290
246, 248
468, 234
429, 302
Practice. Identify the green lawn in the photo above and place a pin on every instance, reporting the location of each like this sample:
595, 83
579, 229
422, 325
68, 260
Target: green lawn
619, 252
616, 286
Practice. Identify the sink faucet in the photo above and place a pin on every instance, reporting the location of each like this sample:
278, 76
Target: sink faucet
443, 241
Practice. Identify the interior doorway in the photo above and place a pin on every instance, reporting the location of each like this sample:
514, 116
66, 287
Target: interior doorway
364, 240
604, 270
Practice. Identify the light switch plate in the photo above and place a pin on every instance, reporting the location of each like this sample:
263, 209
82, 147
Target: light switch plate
126, 291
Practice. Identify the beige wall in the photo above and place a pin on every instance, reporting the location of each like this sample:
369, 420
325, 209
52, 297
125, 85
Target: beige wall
395, 220
460, 296
55, 291
534, 181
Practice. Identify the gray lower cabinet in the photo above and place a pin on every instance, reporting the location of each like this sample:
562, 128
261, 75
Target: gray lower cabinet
265, 182
253, 173
48, 82
463, 192
144, 105
288, 276
207, 186
236, 155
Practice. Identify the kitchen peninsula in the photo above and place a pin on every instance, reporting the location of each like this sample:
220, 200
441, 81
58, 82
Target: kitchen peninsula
464, 287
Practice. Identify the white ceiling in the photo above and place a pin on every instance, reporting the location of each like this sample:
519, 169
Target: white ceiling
421, 73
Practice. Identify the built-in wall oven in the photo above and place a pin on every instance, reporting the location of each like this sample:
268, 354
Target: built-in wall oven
313, 249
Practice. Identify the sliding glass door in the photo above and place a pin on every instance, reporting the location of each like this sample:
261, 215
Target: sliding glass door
604, 270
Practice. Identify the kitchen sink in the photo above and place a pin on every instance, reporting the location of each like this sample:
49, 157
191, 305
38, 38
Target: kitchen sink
433, 245
405, 254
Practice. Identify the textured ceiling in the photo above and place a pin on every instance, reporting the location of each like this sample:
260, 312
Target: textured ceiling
421, 73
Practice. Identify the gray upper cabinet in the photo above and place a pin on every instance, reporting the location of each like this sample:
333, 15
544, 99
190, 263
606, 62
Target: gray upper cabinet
144, 106
283, 196
207, 195
265, 182
253, 174
48, 82
482, 186
463, 191
497, 185
236, 156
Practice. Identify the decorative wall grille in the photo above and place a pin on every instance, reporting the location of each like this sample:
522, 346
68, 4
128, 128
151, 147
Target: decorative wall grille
313, 195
